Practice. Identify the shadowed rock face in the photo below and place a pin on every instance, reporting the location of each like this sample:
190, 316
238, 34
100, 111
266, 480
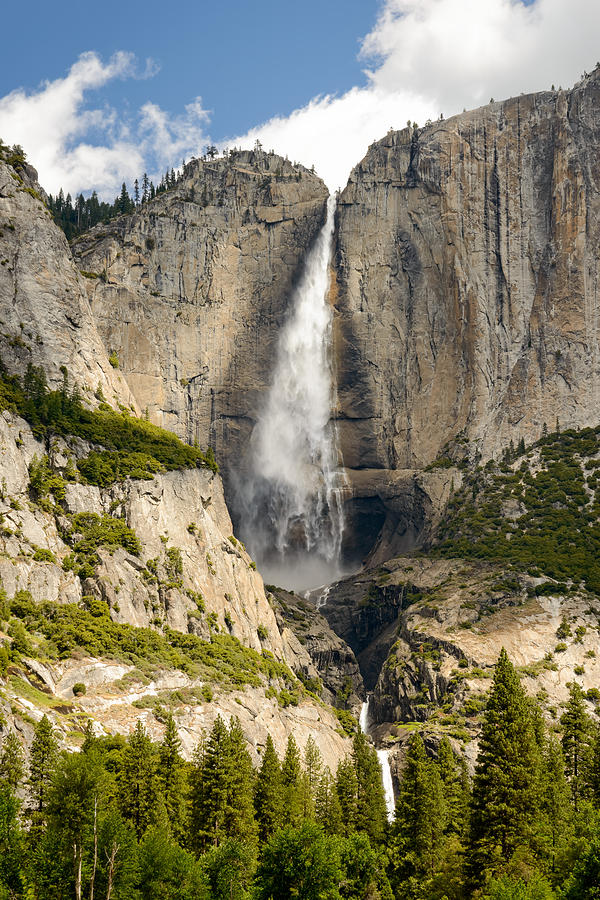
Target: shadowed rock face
467, 281
197, 285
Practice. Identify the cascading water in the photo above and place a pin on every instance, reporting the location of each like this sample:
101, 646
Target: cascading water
291, 510
384, 762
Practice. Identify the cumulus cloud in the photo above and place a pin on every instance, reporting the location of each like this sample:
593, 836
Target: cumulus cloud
437, 56
78, 148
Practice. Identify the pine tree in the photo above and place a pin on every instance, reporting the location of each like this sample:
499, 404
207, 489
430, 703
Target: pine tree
455, 786
418, 828
136, 192
11, 761
313, 766
268, 794
222, 789
506, 797
347, 791
138, 784
576, 742
328, 811
171, 777
594, 775
239, 821
291, 780
555, 807
370, 799
42, 764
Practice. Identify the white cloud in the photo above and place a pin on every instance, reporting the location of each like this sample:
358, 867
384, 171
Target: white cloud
434, 56
55, 129
425, 57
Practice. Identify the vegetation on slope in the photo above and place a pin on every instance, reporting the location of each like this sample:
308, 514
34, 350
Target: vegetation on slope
539, 510
133, 447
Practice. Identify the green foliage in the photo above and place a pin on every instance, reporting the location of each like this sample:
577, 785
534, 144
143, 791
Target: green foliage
89, 531
223, 659
558, 528
507, 777
138, 445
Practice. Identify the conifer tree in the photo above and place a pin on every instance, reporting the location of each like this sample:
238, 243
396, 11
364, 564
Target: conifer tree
370, 797
11, 761
576, 742
42, 764
222, 789
268, 795
171, 777
291, 779
328, 811
418, 828
138, 783
239, 821
506, 788
555, 808
455, 786
347, 791
594, 776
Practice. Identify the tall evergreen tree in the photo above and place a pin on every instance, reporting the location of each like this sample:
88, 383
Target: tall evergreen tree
138, 783
576, 742
291, 779
171, 778
555, 807
42, 764
347, 791
419, 824
456, 788
506, 788
268, 794
328, 812
11, 761
370, 798
222, 789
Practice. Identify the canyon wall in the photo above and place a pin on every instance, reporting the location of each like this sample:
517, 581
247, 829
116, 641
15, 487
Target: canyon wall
466, 293
193, 288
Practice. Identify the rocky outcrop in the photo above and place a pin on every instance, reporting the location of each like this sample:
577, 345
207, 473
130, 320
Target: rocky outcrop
194, 287
428, 633
45, 315
325, 662
467, 282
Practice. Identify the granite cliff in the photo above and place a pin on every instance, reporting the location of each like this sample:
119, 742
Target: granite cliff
466, 287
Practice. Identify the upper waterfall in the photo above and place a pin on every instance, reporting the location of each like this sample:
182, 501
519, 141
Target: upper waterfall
292, 518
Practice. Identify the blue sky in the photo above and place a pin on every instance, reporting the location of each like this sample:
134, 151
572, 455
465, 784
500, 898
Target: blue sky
247, 60
99, 93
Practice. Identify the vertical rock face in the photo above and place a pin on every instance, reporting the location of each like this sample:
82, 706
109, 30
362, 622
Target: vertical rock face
45, 315
195, 285
467, 281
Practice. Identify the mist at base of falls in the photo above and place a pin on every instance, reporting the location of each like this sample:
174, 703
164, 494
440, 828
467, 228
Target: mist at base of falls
290, 499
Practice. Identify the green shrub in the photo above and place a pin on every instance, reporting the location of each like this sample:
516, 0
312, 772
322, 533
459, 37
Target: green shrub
79, 689
42, 555
113, 360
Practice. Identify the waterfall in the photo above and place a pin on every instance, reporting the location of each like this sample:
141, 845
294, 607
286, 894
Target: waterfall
388, 786
363, 719
291, 510
384, 762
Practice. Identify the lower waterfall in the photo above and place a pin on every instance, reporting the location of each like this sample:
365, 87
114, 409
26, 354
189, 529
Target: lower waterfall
384, 761
291, 509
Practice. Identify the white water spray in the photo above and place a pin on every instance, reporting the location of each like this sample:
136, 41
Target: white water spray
384, 761
388, 786
292, 518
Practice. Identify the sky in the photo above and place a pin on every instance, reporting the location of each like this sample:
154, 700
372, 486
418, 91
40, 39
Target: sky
99, 94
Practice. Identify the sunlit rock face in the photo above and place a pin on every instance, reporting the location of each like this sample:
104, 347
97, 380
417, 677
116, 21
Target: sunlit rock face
467, 281
195, 287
